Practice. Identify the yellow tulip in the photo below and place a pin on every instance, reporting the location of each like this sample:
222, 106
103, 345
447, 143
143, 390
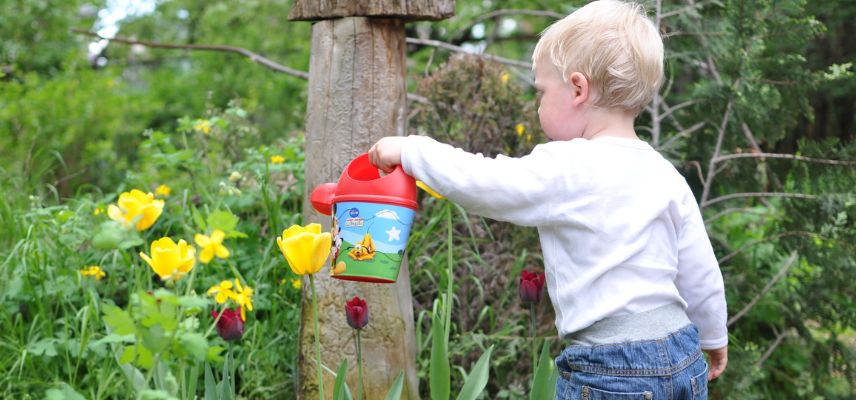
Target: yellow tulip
136, 206
211, 245
170, 260
305, 248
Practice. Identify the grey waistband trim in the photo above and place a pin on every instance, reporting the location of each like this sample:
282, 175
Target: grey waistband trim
649, 325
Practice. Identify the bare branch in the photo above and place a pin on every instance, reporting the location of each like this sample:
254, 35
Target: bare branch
779, 338
505, 12
656, 126
252, 56
753, 243
769, 286
711, 169
256, 58
697, 166
682, 134
458, 49
758, 194
762, 156
676, 107
731, 211
684, 9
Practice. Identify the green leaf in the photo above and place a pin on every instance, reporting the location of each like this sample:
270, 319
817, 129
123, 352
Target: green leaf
118, 320
44, 347
222, 220
341, 374
145, 358
210, 384
477, 379
64, 392
395, 391
439, 375
546, 375
129, 354
197, 218
214, 354
155, 339
195, 345
193, 302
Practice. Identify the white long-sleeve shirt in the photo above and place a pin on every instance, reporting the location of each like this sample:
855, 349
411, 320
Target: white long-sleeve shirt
620, 229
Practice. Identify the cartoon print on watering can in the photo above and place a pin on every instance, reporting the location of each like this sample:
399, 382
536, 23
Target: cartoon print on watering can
371, 219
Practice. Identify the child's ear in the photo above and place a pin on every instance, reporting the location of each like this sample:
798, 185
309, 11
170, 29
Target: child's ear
580, 86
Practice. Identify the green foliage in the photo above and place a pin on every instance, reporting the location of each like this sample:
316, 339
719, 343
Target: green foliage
73, 137
545, 377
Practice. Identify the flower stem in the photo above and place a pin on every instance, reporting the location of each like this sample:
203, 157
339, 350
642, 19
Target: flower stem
532, 347
217, 319
359, 367
317, 339
450, 277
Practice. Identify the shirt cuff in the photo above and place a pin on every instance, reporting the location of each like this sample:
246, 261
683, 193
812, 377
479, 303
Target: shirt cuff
714, 343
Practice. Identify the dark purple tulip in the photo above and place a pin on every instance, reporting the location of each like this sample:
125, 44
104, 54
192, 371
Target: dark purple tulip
357, 312
531, 286
230, 326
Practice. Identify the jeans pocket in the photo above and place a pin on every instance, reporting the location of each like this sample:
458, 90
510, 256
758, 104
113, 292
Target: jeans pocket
699, 383
590, 393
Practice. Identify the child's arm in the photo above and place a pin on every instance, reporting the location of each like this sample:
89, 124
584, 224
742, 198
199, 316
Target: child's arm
699, 282
517, 190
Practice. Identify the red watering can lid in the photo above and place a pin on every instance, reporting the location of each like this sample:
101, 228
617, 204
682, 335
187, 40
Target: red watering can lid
361, 181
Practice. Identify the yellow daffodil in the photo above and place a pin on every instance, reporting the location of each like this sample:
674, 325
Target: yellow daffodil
163, 190
277, 159
428, 190
211, 246
222, 292
504, 77
93, 271
170, 260
136, 206
296, 283
243, 296
203, 126
520, 129
305, 248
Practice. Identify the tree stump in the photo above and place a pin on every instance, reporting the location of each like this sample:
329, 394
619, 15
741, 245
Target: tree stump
357, 95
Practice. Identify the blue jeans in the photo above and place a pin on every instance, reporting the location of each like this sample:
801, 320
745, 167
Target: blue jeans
671, 368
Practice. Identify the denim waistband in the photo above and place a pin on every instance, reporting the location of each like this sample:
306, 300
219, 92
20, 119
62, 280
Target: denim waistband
658, 357
647, 325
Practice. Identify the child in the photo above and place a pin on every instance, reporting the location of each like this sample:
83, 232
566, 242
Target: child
630, 270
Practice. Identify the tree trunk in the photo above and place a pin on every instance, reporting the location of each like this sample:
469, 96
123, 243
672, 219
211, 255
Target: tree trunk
357, 95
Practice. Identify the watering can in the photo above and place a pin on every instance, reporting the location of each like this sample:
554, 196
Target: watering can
371, 220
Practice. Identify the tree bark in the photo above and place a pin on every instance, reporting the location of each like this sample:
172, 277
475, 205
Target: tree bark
357, 95
403, 9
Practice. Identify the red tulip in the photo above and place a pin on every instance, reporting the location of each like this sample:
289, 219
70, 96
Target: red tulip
357, 313
531, 286
230, 326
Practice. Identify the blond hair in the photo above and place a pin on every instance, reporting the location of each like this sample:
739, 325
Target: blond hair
614, 45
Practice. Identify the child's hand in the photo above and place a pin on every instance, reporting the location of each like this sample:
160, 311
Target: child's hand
386, 153
717, 359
